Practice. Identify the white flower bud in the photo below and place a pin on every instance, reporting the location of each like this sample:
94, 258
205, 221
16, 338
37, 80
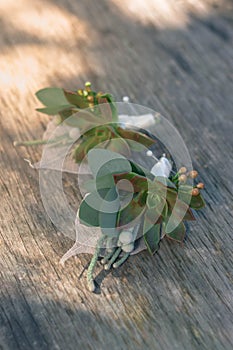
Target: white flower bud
162, 167
126, 237
128, 248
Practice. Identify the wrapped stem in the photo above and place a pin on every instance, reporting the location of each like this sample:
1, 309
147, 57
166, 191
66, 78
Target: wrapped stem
90, 279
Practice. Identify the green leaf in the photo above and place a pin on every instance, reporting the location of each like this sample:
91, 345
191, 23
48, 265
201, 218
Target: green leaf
135, 146
153, 200
52, 110
99, 183
151, 235
118, 145
88, 215
160, 188
65, 114
94, 203
153, 214
189, 216
132, 211
108, 98
171, 197
197, 202
82, 149
84, 120
103, 162
108, 213
165, 210
139, 183
135, 136
178, 233
75, 99
140, 170
165, 181
51, 97
179, 209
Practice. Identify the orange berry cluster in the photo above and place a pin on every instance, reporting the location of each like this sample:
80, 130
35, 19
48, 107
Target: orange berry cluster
183, 176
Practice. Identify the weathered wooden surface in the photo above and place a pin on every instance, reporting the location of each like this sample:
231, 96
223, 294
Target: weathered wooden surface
176, 57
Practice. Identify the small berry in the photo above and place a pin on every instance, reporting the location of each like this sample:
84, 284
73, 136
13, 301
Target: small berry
126, 237
182, 170
87, 84
193, 174
182, 178
200, 185
90, 98
195, 192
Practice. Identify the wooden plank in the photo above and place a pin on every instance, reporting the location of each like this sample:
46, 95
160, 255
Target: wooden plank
175, 57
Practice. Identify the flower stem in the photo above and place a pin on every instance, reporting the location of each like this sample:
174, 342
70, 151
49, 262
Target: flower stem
113, 259
90, 270
107, 256
38, 142
121, 261
30, 143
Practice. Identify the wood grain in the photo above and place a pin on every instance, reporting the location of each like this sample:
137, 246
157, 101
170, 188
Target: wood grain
175, 57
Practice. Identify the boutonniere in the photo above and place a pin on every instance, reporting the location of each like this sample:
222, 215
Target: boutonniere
130, 203
92, 119
131, 200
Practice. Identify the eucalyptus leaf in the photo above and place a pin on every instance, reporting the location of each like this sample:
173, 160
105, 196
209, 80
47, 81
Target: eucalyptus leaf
103, 162
51, 97
135, 146
108, 213
88, 215
101, 182
84, 120
52, 110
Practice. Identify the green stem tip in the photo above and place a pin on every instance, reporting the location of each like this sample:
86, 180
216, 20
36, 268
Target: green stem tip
90, 270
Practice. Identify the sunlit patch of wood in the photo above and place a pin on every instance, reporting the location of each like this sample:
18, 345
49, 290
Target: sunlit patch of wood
164, 13
40, 42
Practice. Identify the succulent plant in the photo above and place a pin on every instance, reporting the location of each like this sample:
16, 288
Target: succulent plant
160, 204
